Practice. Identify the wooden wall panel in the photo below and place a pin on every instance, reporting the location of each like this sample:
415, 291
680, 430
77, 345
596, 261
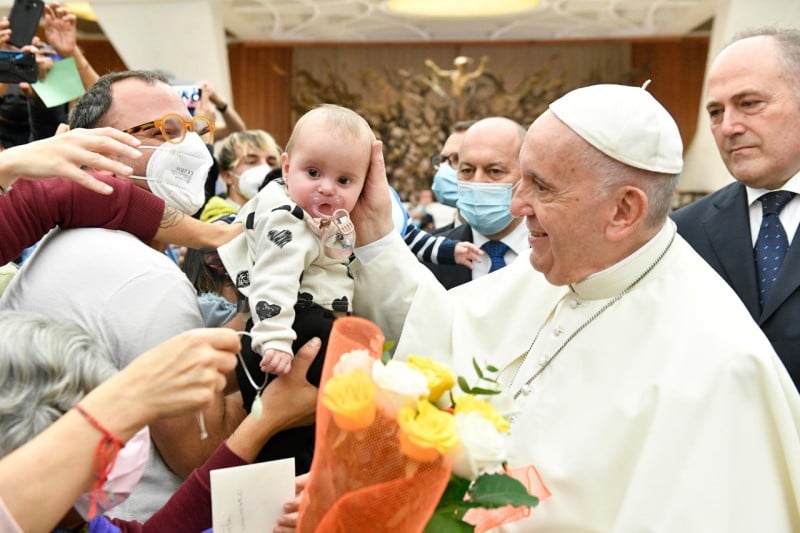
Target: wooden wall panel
102, 56
677, 69
261, 80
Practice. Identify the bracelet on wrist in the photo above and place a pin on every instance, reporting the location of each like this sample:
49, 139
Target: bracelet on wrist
105, 455
222, 108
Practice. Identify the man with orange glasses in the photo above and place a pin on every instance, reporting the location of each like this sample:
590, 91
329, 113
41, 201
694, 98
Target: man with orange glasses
126, 293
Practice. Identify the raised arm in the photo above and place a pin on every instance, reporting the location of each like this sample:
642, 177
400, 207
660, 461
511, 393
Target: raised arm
70, 155
60, 33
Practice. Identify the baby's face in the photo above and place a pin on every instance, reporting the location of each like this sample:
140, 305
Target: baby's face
326, 170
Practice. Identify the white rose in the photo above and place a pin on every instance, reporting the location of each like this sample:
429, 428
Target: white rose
402, 385
482, 448
354, 360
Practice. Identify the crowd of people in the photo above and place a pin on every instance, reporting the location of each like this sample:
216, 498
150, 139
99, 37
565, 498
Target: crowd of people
651, 355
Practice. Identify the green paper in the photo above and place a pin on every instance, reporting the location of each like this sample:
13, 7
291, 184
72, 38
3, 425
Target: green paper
62, 84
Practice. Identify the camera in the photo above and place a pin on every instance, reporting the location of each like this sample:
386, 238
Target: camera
16, 67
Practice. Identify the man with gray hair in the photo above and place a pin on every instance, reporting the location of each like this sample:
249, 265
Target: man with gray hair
746, 230
640, 387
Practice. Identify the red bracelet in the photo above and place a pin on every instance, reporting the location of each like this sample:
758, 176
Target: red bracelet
104, 458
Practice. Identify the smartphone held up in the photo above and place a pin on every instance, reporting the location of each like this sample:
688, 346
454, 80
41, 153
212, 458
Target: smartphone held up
23, 21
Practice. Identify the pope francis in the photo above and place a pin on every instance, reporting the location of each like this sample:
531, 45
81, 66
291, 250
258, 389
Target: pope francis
644, 393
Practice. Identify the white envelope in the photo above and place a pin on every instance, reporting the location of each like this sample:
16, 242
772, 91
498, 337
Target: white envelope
250, 498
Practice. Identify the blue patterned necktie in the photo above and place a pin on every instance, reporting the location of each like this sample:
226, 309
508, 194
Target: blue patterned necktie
772, 242
497, 251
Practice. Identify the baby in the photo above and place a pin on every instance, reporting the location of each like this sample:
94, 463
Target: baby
292, 260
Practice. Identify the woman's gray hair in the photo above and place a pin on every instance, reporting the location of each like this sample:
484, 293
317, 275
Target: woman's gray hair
46, 367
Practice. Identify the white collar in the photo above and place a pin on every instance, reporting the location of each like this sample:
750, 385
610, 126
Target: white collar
614, 279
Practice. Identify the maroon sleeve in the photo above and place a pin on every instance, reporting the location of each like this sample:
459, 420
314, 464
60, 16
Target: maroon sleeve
189, 509
32, 208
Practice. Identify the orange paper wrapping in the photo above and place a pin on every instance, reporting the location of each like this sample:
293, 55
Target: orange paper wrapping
359, 480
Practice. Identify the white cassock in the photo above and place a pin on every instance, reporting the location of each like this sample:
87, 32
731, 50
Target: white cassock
667, 412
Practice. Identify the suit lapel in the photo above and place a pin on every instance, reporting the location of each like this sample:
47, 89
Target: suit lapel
787, 282
728, 231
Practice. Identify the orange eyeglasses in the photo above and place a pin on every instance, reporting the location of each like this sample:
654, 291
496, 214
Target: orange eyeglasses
173, 128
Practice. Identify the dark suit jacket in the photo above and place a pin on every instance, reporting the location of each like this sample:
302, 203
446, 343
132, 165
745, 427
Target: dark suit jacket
453, 275
718, 228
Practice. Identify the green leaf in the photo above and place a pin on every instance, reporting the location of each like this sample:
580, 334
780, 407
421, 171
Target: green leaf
440, 523
477, 368
455, 491
496, 490
386, 356
486, 392
491, 368
463, 385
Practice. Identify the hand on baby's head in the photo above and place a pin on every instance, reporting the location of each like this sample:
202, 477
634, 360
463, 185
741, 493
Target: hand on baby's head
276, 362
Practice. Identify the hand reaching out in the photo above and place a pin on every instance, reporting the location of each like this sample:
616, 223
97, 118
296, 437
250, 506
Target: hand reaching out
276, 362
71, 155
466, 253
183, 374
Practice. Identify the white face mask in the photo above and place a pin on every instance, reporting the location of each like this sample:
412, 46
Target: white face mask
251, 179
177, 172
125, 474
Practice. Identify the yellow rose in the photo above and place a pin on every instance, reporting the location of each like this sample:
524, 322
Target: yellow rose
469, 404
440, 379
351, 399
427, 432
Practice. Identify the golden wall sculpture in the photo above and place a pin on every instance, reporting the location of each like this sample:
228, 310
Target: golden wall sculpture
413, 111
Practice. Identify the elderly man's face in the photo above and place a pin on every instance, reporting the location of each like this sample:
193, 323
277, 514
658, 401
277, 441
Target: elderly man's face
754, 110
563, 201
136, 102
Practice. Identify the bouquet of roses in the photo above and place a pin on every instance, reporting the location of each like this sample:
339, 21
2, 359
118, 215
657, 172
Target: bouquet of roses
398, 448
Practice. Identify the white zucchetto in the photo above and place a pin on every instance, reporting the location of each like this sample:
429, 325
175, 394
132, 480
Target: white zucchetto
625, 123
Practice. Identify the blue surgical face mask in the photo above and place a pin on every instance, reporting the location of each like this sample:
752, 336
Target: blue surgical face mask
445, 185
485, 206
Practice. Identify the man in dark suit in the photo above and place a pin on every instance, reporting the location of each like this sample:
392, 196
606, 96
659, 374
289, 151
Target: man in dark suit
747, 230
488, 170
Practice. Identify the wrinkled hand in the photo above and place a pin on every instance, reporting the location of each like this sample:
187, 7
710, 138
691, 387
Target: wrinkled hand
184, 374
276, 362
60, 29
288, 521
372, 214
467, 253
69, 154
